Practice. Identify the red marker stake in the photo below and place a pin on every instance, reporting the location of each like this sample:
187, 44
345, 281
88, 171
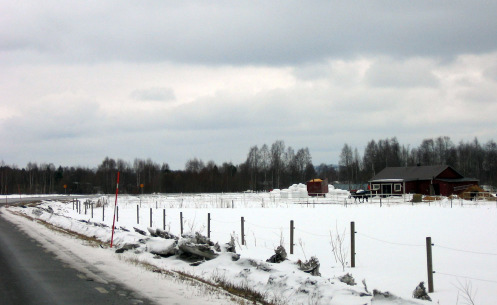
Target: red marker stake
115, 205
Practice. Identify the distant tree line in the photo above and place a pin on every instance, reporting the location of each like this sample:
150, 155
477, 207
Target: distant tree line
265, 168
471, 159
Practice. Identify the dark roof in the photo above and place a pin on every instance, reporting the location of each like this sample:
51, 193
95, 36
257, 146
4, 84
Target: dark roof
460, 180
411, 173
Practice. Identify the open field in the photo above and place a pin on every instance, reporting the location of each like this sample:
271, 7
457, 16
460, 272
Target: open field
390, 239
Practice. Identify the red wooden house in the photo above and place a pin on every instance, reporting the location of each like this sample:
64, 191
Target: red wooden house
427, 180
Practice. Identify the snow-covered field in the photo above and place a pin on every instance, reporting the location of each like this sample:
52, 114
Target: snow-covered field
390, 242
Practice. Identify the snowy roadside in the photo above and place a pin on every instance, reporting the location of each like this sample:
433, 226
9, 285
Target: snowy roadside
111, 267
280, 283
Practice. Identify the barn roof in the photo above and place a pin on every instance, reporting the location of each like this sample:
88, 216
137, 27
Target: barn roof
411, 173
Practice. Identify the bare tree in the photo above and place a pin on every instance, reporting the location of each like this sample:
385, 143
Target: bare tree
253, 160
339, 248
346, 163
265, 159
302, 160
466, 292
194, 165
277, 150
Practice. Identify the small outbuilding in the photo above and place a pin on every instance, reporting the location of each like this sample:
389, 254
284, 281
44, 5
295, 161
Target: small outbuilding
427, 180
317, 187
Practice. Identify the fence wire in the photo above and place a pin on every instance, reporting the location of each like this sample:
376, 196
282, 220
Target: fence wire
264, 227
221, 221
467, 277
390, 242
465, 251
314, 234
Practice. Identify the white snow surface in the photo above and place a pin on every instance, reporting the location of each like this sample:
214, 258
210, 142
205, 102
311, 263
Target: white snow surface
390, 244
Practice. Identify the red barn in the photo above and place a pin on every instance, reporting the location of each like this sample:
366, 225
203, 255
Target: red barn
427, 180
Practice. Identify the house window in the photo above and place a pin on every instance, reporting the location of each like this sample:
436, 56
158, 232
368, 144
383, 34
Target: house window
397, 187
375, 187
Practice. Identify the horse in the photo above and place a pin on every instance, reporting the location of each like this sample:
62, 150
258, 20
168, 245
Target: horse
361, 195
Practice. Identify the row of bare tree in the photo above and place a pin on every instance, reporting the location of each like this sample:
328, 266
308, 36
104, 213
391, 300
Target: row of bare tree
266, 167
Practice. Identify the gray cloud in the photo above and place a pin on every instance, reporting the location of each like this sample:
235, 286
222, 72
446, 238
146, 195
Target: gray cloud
491, 72
248, 32
154, 94
56, 117
406, 73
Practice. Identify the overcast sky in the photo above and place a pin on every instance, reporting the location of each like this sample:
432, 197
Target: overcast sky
174, 80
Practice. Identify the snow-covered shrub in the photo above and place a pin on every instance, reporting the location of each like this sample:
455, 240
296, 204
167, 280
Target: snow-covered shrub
311, 266
279, 255
347, 279
420, 292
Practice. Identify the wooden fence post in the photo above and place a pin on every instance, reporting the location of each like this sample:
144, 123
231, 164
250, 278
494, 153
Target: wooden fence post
150, 217
291, 236
429, 264
137, 214
92, 210
352, 244
103, 212
181, 221
243, 231
209, 225
164, 219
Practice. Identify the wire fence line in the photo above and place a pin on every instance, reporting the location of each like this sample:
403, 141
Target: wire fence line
279, 233
272, 200
286, 228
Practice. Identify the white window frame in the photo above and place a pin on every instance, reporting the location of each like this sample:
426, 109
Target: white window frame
375, 187
397, 187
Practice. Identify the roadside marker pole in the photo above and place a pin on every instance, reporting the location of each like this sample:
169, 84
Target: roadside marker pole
115, 206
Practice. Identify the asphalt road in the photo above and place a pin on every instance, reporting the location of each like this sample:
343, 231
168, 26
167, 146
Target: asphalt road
16, 200
29, 274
